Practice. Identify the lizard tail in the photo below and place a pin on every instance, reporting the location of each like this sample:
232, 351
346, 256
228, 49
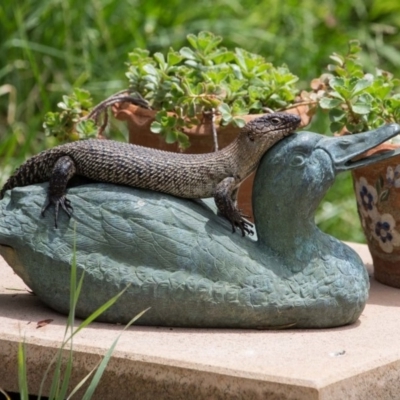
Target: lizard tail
34, 170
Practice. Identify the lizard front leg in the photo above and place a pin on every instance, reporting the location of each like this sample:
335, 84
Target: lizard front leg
225, 199
63, 171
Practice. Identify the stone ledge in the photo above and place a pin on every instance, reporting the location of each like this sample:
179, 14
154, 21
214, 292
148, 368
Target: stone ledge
166, 363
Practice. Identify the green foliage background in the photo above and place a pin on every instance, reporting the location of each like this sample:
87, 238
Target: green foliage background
48, 47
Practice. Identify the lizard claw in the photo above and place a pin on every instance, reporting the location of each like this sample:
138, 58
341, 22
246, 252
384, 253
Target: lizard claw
244, 227
58, 201
238, 221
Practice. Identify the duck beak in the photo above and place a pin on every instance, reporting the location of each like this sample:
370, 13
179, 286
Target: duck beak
345, 150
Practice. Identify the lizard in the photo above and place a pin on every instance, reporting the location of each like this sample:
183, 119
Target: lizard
217, 174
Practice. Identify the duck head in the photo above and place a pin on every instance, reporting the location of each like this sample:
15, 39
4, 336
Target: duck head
294, 176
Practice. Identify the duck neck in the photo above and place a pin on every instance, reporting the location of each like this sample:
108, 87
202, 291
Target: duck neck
288, 230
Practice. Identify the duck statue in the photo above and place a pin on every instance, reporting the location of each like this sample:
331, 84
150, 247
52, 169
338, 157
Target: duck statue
180, 258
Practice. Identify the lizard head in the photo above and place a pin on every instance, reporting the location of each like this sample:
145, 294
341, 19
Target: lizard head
272, 127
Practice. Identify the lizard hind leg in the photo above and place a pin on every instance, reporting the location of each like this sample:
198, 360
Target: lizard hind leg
64, 169
225, 198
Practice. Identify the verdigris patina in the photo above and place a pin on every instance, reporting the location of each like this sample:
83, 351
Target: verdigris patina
180, 258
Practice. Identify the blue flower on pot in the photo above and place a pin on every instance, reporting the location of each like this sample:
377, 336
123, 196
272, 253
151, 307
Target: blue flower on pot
367, 198
393, 176
385, 233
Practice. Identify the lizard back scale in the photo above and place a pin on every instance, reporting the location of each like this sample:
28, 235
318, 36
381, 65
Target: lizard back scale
217, 174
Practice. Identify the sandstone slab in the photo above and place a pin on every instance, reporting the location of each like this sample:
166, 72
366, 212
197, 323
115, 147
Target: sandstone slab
360, 361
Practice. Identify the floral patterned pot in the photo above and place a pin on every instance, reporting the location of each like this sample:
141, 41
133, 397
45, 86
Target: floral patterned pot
377, 189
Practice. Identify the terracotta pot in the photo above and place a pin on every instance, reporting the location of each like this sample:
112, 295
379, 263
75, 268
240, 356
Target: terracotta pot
201, 140
377, 189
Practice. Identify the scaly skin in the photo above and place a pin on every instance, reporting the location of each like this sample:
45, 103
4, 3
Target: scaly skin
193, 176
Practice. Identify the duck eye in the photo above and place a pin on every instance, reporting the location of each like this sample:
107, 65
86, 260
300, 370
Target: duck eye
297, 160
344, 144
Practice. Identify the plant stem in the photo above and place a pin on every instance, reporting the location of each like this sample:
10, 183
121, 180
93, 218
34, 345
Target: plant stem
214, 129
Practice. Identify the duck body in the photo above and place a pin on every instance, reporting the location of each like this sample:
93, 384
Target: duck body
179, 257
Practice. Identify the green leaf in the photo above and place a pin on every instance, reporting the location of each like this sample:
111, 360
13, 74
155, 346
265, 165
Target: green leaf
259, 92
225, 111
337, 95
336, 127
356, 127
83, 97
336, 115
173, 58
337, 83
204, 42
183, 140
22, 376
237, 71
354, 46
221, 57
192, 39
63, 106
160, 59
83, 381
226, 120
86, 129
239, 122
98, 312
192, 63
100, 370
240, 59
381, 90
328, 103
353, 69
137, 55
361, 108
337, 58
187, 53
67, 376
150, 69
170, 121
171, 136
360, 86
224, 108
156, 127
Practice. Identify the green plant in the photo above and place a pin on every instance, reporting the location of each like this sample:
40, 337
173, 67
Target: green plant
185, 87
70, 123
62, 373
357, 100
204, 79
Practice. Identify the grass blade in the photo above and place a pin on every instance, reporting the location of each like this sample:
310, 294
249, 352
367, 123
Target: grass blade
67, 376
100, 370
98, 312
5, 394
73, 299
22, 378
57, 391
83, 381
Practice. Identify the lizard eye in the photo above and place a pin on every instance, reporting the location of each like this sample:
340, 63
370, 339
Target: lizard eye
275, 120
